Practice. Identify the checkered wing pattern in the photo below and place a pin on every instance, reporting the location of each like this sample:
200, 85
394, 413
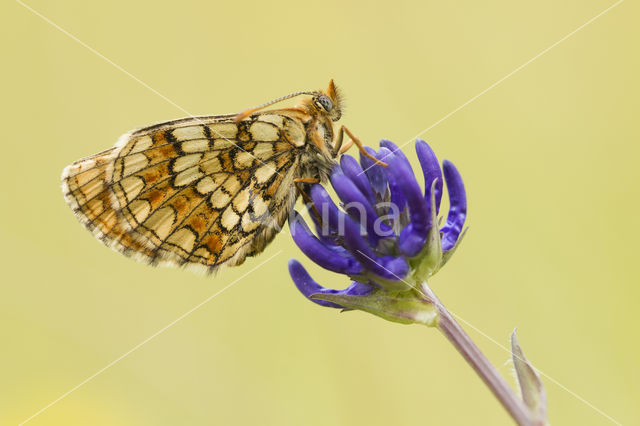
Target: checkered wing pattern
202, 191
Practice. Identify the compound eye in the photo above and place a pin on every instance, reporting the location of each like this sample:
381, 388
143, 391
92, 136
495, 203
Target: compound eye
324, 102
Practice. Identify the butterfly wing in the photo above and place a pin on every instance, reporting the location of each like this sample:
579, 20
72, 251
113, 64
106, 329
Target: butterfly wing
201, 191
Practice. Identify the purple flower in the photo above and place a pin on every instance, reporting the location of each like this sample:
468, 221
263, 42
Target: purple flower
385, 236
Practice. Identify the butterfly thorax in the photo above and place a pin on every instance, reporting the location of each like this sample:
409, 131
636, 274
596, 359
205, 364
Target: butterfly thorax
316, 162
318, 114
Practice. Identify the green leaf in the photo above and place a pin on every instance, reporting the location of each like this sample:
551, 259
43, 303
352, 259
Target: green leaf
403, 308
533, 393
429, 260
447, 254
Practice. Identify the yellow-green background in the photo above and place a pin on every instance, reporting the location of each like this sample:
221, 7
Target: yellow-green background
549, 158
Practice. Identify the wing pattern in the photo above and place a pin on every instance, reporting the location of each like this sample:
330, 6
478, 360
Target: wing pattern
201, 191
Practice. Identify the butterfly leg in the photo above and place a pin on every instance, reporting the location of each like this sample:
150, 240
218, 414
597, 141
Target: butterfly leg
353, 140
307, 180
337, 146
346, 147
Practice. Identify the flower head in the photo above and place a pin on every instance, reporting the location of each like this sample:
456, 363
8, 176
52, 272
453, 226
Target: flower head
386, 236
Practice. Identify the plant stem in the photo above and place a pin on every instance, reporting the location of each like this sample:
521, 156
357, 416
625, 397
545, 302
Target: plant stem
472, 354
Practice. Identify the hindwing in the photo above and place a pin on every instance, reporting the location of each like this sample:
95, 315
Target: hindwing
201, 191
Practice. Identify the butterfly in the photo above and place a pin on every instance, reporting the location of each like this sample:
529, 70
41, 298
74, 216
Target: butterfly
208, 191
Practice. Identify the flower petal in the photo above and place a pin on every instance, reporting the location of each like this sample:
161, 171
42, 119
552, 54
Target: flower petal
375, 174
396, 151
412, 239
387, 267
397, 196
324, 232
318, 251
353, 171
330, 213
357, 205
414, 235
431, 171
356, 289
307, 285
458, 206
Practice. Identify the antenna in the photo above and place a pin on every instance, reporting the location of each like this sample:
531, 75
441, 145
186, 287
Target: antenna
250, 111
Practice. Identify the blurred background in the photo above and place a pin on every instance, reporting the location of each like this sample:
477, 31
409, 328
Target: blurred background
549, 157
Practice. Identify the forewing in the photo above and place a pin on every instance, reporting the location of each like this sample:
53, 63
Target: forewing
203, 191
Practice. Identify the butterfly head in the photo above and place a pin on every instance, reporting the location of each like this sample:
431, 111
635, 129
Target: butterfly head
328, 102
